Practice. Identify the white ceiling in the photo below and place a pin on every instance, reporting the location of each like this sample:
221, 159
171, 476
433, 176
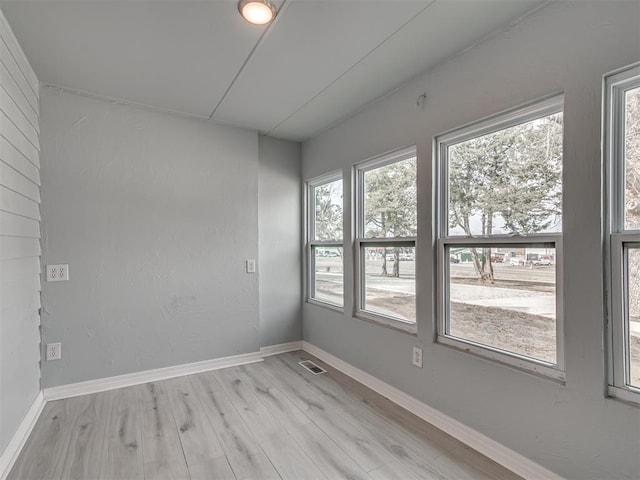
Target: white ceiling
316, 64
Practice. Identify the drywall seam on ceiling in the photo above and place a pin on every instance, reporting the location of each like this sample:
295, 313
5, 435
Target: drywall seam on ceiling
449, 59
122, 101
326, 87
260, 41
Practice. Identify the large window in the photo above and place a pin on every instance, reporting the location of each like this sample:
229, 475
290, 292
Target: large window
325, 248
622, 140
499, 237
386, 212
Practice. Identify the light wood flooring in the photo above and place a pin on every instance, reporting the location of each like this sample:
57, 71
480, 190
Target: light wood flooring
267, 420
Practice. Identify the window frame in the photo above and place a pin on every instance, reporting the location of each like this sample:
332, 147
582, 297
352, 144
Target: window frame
528, 112
311, 243
361, 242
618, 240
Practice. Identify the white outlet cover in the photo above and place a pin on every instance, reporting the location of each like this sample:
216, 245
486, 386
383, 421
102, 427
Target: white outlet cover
54, 351
417, 357
57, 273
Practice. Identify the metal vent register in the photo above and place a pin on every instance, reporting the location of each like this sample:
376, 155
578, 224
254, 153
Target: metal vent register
312, 367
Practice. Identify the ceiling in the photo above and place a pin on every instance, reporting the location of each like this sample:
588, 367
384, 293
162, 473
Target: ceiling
315, 65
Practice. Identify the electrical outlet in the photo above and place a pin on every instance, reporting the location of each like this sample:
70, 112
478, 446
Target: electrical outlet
54, 351
57, 273
417, 357
251, 266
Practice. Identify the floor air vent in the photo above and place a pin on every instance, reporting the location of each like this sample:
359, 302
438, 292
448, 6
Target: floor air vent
312, 367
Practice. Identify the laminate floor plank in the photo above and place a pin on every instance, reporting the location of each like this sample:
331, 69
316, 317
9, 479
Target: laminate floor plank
263, 421
409, 449
215, 469
430, 456
199, 440
254, 414
325, 453
161, 447
122, 456
278, 404
84, 455
404, 420
41, 454
240, 446
287, 456
343, 430
395, 471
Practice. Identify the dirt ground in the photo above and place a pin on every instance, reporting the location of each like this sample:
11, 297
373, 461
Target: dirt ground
523, 333
530, 335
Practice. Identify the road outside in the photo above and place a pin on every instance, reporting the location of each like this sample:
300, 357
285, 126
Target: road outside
517, 313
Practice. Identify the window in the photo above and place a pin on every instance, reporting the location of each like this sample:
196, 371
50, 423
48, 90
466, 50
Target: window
622, 143
499, 237
325, 248
386, 204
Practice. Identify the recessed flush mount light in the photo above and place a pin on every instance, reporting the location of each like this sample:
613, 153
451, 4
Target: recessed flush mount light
258, 12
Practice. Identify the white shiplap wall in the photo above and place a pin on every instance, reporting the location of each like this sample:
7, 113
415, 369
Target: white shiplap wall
19, 236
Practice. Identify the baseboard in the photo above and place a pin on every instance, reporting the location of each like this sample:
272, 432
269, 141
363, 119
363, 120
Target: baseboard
10, 454
499, 453
281, 348
137, 378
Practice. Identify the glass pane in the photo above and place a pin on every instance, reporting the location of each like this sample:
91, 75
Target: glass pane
632, 159
509, 181
327, 275
633, 306
390, 282
390, 201
504, 297
328, 211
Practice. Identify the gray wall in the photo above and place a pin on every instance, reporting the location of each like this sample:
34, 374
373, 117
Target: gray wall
19, 236
280, 242
571, 429
155, 215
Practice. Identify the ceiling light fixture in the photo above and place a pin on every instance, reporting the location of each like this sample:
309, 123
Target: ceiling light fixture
258, 12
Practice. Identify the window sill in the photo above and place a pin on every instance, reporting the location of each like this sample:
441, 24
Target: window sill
404, 327
626, 395
524, 364
328, 306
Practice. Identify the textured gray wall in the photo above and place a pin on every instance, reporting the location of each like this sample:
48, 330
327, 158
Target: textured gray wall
280, 242
573, 429
19, 237
155, 215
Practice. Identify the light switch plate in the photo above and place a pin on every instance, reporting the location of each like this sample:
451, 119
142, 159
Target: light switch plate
251, 266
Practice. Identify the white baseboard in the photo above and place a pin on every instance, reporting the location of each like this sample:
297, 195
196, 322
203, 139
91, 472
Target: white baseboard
137, 378
499, 453
10, 454
281, 348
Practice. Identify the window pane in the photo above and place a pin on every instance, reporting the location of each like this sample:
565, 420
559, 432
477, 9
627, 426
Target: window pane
633, 307
328, 211
327, 274
390, 201
390, 282
632, 159
504, 297
509, 181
